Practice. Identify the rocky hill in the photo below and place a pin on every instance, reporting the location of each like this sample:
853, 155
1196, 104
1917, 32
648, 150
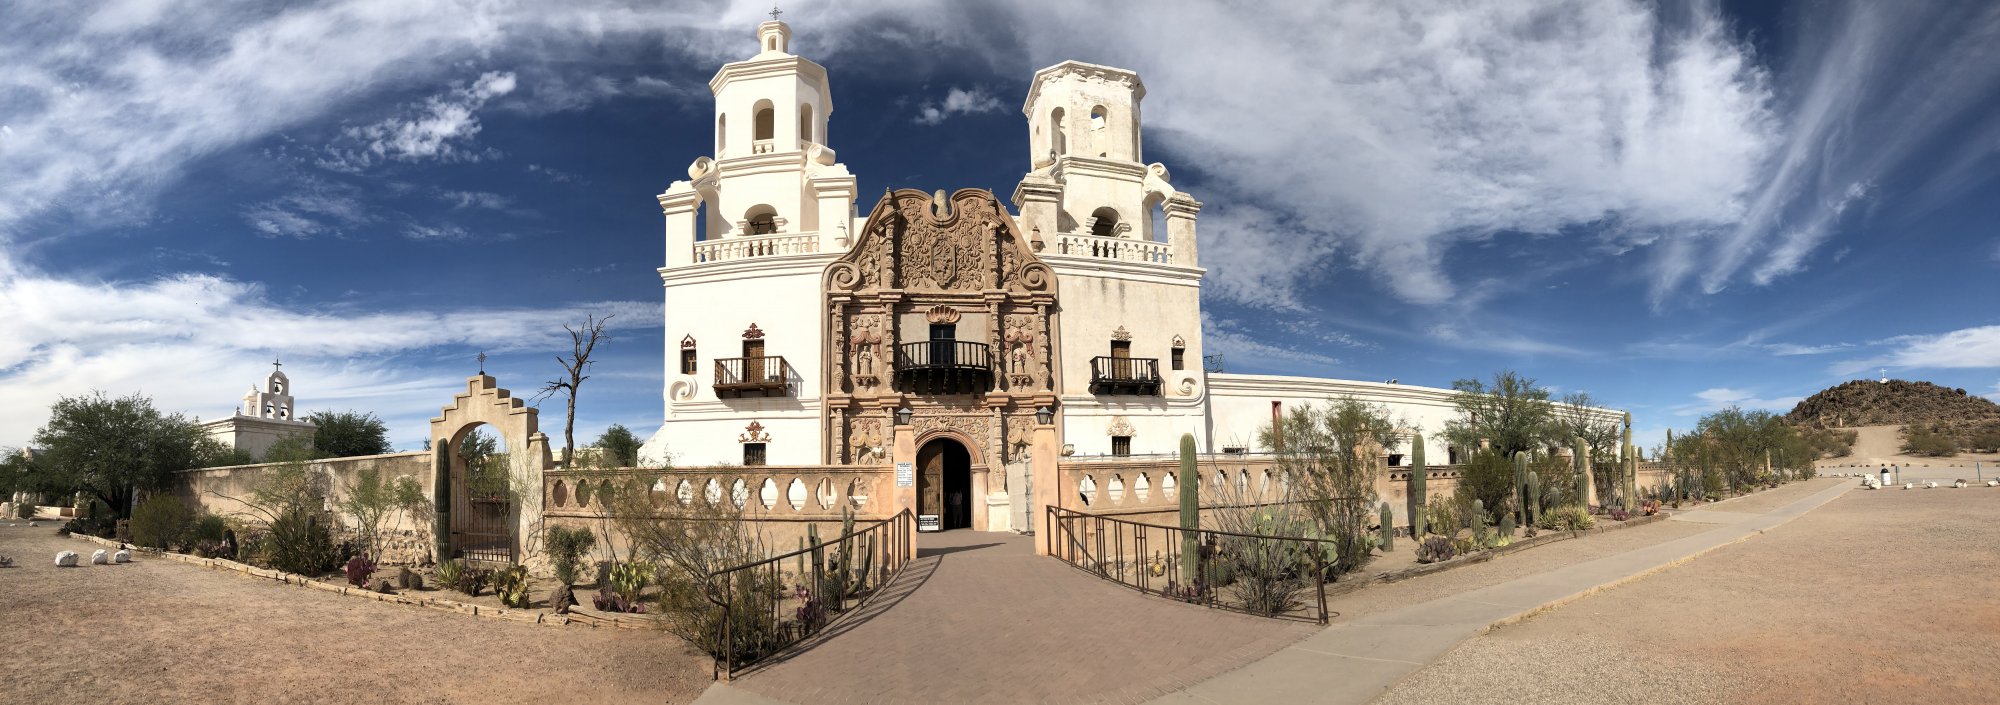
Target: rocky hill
1872, 403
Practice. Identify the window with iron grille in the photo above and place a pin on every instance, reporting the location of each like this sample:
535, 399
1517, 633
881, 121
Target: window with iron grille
753, 454
1121, 446
687, 361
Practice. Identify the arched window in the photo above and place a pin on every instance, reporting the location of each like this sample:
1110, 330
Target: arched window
721, 134
1105, 223
1097, 118
805, 123
1060, 144
765, 126
771, 43
763, 220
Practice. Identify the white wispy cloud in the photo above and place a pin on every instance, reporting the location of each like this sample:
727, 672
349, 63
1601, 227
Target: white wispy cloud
1717, 398
1965, 348
441, 128
193, 341
317, 207
957, 101
475, 199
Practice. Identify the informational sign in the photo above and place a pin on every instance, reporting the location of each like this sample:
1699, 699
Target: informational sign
927, 522
906, 474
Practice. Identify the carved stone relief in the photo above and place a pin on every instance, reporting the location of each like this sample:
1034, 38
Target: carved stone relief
1020, 350
866, 443
865, 346
1120, 426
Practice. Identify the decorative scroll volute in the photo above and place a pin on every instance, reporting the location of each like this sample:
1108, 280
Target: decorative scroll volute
926, 242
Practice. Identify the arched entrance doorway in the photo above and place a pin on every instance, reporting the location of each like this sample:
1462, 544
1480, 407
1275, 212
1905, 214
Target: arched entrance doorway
482, 490
944, 483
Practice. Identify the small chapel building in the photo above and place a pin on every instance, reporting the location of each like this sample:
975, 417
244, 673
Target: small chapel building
265, 417
802, 331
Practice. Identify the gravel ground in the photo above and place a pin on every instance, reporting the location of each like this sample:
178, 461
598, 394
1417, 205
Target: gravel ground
156, 631
1877, 597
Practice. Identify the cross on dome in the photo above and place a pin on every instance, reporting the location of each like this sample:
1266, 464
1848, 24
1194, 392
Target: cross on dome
775, 12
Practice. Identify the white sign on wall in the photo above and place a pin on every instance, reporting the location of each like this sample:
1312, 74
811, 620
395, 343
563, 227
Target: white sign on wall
906, 474
927, 522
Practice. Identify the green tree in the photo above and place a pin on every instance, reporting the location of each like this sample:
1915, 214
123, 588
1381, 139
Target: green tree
115, 448
344, 434
1512, 414
622, 447
1330, 454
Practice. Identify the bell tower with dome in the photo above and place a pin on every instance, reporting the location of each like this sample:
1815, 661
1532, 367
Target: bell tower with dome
266, 416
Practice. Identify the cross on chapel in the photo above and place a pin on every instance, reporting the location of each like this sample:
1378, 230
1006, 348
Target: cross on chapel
775, 12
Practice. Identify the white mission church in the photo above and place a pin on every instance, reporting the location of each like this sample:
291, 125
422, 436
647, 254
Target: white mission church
802, 332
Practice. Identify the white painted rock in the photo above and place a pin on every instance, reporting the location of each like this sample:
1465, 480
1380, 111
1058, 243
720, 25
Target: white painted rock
1909, 485
66, 559
1958, 485
100, 558
1930, 485
33, 524
122, 556
1993, 483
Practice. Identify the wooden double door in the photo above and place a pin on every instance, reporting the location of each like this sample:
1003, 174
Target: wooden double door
944, 483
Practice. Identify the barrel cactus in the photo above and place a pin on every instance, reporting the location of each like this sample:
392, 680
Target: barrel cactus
1415, 487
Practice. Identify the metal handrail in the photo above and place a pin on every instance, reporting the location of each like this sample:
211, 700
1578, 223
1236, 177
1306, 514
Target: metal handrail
769, 371
944, 355
1065, 543
888, 558
1125, 369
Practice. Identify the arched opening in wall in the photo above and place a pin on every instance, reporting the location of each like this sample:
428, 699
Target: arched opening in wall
1104, 222
721, 135
1060, 143
944, 483
1156, 217
805, 123
1097, 120
765, 125
763, 220
482, 483
771, 43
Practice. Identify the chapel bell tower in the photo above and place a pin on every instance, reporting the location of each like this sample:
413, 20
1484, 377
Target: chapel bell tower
772, 173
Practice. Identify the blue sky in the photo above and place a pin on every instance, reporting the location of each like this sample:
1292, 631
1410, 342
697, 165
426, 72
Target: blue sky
1673, 207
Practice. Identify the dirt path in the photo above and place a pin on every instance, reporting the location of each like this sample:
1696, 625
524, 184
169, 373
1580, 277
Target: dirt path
156, 631
1878, 597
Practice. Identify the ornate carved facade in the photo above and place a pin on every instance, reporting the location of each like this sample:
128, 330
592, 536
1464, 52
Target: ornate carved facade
928, 274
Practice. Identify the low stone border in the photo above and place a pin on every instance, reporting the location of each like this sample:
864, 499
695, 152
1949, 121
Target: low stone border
436, 603
1551, 536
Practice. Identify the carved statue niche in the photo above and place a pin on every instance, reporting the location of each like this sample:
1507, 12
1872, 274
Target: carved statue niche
866, 347
1020, 342
1020, 435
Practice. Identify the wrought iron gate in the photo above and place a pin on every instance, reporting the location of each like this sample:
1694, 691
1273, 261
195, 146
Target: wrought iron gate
482, 528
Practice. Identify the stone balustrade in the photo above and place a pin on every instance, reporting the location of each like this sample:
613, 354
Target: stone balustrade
763, 492
1112, 248
731, 248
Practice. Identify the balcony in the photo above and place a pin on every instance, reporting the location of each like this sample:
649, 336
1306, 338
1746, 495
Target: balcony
753, 376
1124, 375
1112, 248
746, 247
944, 367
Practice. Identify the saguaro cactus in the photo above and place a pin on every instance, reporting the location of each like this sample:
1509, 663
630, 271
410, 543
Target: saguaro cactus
1189, 489
1388, 529
1534, 498
1415, 487
1478, 521
1629, 469
1585, 488
1521, 484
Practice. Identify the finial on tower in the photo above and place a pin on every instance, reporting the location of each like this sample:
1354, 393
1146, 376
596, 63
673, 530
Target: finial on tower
275, 364
482, 362
775, 12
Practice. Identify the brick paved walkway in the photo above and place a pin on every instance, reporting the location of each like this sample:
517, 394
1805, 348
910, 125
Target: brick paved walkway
978, 618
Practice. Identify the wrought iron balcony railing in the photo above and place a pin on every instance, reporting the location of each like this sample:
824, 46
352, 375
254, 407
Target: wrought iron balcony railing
944, 367
767, 376
1124, 375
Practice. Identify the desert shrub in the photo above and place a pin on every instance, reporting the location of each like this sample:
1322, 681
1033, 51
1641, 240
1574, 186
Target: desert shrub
24, 510
298, 542
566, 548
213, 549
6, 562
207, 527
1568, 518
358, 570
511, 584
93, 525
458, 575
1441, 516
689, 545
1488, 477
1435, 548
1318, 458
122, 530
1921, 440
1271, 574
162, 522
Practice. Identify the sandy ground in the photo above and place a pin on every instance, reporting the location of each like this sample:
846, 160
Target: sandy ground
155, 631
1876, 446
1877, 597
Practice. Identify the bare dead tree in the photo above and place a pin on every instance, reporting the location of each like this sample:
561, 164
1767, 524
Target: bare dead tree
583, 341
